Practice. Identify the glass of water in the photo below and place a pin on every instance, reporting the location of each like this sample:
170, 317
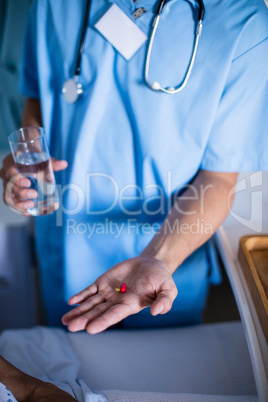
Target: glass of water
31, 155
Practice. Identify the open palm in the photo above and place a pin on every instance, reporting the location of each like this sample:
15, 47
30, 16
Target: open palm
149, 283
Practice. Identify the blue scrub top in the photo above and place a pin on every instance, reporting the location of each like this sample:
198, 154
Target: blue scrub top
129, 148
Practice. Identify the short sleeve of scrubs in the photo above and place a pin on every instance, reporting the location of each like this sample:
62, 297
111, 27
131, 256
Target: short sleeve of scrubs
239, 137
29, 85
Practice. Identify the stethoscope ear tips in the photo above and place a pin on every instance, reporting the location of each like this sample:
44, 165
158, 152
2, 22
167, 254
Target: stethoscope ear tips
156, 86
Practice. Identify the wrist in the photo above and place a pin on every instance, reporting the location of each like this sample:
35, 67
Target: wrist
20, 384
166, 257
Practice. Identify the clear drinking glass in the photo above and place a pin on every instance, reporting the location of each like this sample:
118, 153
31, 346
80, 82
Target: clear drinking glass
31, 155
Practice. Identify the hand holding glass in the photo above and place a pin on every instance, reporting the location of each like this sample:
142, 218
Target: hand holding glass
31, 156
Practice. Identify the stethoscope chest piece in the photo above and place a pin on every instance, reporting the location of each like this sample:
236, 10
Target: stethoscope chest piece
71, 90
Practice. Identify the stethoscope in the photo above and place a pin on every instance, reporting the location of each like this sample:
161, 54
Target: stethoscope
72, 88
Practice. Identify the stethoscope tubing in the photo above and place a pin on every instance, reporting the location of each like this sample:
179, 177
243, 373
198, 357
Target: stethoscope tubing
72, 88
82, 40
155, 86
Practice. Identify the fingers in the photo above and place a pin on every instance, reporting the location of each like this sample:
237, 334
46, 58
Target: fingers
8, 161
112, 316
21, 207
81, 322
58, 165
164, 301
83, 295
18, 197
83, 308
9, 172
101, 317
97, 313
16, 194
22, 193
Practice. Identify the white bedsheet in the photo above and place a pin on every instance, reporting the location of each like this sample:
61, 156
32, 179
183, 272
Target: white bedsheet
201, 363
48, 355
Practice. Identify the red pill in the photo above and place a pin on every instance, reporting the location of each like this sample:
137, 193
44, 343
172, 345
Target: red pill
123, 287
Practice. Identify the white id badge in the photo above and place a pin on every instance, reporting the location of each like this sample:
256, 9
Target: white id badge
121, 31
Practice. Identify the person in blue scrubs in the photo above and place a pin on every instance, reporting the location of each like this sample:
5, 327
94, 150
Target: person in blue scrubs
149, 174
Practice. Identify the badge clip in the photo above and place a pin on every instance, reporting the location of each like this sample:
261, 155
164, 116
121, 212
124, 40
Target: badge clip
138, 12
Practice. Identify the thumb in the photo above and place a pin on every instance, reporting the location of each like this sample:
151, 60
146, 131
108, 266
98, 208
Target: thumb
164, 301
58, 165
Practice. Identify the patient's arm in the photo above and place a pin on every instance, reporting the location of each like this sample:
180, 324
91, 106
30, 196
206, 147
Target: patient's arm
30, 389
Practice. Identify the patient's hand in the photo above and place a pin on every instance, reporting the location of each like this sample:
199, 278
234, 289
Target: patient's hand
149, 283
30, 389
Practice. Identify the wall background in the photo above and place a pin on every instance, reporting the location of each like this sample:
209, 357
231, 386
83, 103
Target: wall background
13, 15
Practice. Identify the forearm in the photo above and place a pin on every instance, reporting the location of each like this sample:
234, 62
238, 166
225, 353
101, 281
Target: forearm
15, 380
193, 219
31, 115
26, 388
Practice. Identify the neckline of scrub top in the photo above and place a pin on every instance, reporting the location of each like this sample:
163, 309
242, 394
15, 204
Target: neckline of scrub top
129, 6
